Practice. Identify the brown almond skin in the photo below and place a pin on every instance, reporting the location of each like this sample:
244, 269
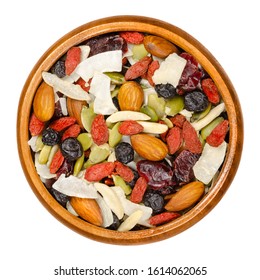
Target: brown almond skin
149, 147
159, 46
130, 96
87, 209
186, 196
44, 102
74, 108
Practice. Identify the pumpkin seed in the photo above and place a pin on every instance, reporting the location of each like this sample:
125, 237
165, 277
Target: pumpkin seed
118, 181
85, 140
114, 136
87, 116
44, 154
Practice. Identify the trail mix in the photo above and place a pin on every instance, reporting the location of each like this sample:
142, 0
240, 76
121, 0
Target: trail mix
128, 131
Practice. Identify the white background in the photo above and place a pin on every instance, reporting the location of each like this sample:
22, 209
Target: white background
226, 241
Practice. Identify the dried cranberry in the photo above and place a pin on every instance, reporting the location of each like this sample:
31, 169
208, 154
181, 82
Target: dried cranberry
66, 168
157, 174
183, 165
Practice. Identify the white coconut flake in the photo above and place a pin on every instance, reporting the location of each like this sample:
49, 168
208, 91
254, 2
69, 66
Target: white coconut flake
130, 207
63, 105
100, 88
73, 186
170, 70
209, 162
42, 169
32, 143
65, 87
105, 211
71, 209
110, 61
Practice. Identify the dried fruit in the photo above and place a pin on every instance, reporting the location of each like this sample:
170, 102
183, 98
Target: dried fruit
154, 200
56, 162
72, 131
87, 209
99, 171
139, 190
130, 96
163, 218
187, 196
195, 101
99, 130
191, 139
218, 134
35, 126
71, 149
44, 103
50, 137
124, 171
130, 128
132, 37
74, 108
149, 147
159, 46
62, 123
153, 66
72, 59
166, 91
138, 69
174, 139
211, 90
124, 152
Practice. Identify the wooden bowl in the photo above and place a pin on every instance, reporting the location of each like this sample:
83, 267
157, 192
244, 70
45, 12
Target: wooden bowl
208, 62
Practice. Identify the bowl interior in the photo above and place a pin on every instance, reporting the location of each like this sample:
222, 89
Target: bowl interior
208, 62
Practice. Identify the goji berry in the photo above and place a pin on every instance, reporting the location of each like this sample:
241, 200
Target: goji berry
36, 126
163, 218
211, 90
124, 171
72, 59
139, 190
138, 69
72, 131
99, 171
82, 83
56, 162
178, 120
174, 139
163, 135
99, 130
153, 66
62, 123
132, 37
191, 139
130, 127
218, 134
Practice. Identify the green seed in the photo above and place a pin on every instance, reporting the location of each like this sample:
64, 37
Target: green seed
157, 103
44, 154
39, 143
174, 105
150, 112
85, 140
116, 78
99, 153
114, 136
205, 132
139, 52
118, 181
201, 115
87, 116
78, 165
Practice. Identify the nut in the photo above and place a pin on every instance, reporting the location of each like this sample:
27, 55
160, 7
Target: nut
87, 209
44, 103
158, 46
186, 196
149, 147
130, 96
74, 109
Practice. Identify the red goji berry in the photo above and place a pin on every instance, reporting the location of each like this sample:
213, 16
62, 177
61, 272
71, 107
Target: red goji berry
139, 190
72, 59
72, 131
62, 123
36, 126
191, 139
56, 162
218, 134
174, 139
82, 83
138, 69
99, 130
153, 66
99, 171
211, 90
130, 127
163, 218
163, 135
124, 171
178, 120
132, 37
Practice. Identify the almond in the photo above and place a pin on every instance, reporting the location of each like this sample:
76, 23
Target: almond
88, 209
130, 96
186, 196
159, 46
149, 147
74, 108
44, 103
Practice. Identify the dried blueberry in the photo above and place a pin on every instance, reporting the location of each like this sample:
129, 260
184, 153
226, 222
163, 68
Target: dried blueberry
116, 223
71, 149
124, 152
50, 137
166, 91
154, 200
59, 69
195, 101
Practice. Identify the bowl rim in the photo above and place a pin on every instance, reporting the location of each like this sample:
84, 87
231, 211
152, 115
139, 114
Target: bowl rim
208, 62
